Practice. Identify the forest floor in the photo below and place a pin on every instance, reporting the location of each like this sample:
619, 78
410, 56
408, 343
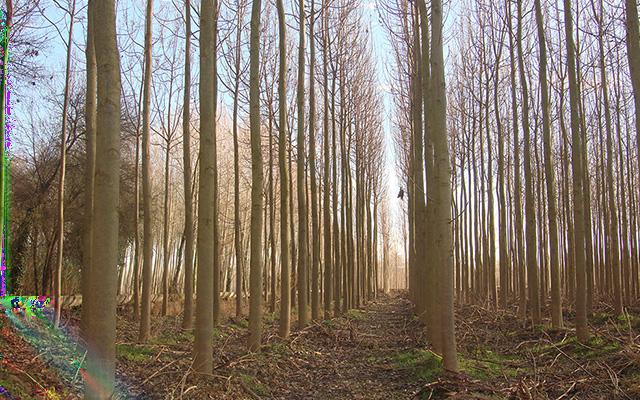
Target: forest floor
377, 352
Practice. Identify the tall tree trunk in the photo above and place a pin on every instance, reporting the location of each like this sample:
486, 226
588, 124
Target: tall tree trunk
576, 161
519, 258
101, 319
633, 53
285, 200
216, 195
187, 317
147, 268
556, 298
328, 261
165, 231
315, 223
272, 214
237, 226
530, 216
302, 193
255, 272
63, 168
614, 252
442, 193
202, 348
90, 127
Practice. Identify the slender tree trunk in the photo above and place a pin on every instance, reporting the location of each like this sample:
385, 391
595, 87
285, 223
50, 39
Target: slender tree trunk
90, 127
633, 53
187, 318
101, 323
63, 168
442, 193
165, 237
202, 348
145, 320
530, 216
556, 298
315, 223
518, 260
255, 268
576, 161
302, 193
285, 248
328, 261
237, 226
216, 195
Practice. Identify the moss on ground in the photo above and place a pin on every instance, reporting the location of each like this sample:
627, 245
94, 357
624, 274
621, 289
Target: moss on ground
134, 353
423, 364
597, 347
355, 314
255, 385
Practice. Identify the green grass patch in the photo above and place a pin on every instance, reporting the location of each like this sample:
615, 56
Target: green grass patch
485, 364
328, 323
626, 320
134, 353
355, 314
173, 339
423, 364
599, 319
276, 350
269, 317
595, 348
255, 385
240, 324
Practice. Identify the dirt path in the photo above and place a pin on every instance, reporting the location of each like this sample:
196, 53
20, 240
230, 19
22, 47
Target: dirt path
356, 356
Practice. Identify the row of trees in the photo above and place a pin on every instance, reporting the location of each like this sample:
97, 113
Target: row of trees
320, 258
545, 191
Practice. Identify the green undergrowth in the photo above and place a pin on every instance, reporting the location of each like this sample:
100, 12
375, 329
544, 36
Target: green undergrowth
422, 364
597, 347
482, 365
356, 314
631, 379
626, 320
174, 339
328, 323
135, 353
240, 324
622, 322
485, 364
255, 385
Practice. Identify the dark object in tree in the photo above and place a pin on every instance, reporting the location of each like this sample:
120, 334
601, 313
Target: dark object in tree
401, 194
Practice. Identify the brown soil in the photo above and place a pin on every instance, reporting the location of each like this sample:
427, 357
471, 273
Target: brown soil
378, 352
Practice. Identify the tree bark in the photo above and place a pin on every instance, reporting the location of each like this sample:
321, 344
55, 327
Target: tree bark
101, 319
576, 161
255, 272
556, 298
187, 317
530, 216
203, 361
90, 122
302, 193
63, 169
442, 193
145, 319
285, 247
